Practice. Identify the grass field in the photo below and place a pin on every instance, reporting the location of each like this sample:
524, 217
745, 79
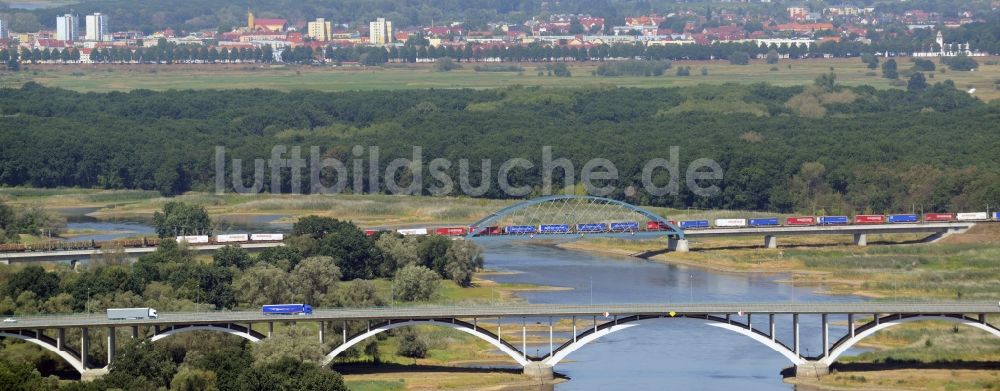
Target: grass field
100, 78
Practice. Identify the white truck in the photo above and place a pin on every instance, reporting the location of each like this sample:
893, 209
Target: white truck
131, 313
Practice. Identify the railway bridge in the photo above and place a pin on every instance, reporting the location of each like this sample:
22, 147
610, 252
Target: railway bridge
758, 321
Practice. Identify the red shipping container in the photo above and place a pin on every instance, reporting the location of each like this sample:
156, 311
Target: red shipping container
803, 220
939, 217
451, 231
653, 225
869, 219
370, 232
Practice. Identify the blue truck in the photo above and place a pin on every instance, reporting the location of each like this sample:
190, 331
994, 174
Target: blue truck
287, 309
693, 224
520, 229
553, 228
764, 222
833, 220
909, 218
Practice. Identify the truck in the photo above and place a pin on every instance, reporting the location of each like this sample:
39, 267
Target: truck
287, 309
131, 313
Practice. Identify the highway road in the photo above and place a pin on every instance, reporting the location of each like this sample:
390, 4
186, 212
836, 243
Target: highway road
507, 311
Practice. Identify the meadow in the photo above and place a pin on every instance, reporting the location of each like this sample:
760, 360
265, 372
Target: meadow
103, 78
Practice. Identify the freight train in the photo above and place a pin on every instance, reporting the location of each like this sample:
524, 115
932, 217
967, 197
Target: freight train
140, 242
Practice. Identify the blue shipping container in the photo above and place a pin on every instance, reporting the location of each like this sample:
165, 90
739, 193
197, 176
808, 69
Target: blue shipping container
626, 226
764, 222
591, 227
288, 309
520, 229
833, 220
686, 224
553, 228
903, 218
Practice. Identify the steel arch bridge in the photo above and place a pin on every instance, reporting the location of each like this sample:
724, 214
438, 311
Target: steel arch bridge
573, 217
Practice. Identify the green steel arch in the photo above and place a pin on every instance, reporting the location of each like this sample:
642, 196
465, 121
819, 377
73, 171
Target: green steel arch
593, 203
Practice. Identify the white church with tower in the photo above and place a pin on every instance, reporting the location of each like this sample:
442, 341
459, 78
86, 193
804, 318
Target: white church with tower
948, 49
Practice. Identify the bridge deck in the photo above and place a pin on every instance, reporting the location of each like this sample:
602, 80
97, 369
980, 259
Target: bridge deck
443, 312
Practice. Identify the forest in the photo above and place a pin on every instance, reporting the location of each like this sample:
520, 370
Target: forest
893, 150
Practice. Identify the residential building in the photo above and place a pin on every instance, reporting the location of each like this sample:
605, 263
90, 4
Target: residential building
97, 27
3, 29
67, 28
797, 13
380, 32
319, 30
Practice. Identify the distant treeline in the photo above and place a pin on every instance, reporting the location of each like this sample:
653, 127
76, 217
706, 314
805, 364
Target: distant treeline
633, 68
887, 150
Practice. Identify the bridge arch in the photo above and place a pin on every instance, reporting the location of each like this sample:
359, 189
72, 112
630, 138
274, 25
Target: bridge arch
65, 353
237, 330
572, 204
455, 324
606, 328
874, 326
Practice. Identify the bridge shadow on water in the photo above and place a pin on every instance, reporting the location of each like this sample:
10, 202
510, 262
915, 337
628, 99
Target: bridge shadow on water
368, 368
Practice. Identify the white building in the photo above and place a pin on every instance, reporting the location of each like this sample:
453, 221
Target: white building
67, 28
97, 27
380, 32
3, 29
319, 30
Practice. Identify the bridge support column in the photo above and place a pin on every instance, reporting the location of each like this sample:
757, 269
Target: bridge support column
795, 334
770, 321
850, 323
770, 241
860, 239
322, 331
84, 347
812, 369
111, 344
270, 329
538, 371
826, 335
135, 332
678, 245
61, 339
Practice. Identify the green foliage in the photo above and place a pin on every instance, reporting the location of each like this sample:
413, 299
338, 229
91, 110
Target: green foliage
263, 284
561, 70
142, 362
462, 259
960, 63
179, 218
232, 256
291, 342
889, 70
22, 376
415, 283
917, 82
33, 279
826, 81
411, 344
192, 379
870, 59
315, 279
446, 64
632, 68
739, 58
922, 65
772, 56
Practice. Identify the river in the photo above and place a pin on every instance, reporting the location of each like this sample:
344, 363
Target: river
683, 354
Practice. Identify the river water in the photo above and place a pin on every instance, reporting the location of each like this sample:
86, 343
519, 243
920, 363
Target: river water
683, 354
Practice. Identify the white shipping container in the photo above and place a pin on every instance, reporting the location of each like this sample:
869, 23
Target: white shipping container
193, 239
267, 237
972, 216
413, 231
232, 238
730, 222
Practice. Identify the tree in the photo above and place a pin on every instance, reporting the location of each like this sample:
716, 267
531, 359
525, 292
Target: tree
194, 379
432, 250
445, 64
179, 218
462, 260
33, 279
739, 58
773, 56
22, 376
961, 62
294, 342
262, 284
415, 283
917, 82
575, 27
411, 344
142, 359
398, 251
889, 69
826, 81
561, 70
314, 278
232, 256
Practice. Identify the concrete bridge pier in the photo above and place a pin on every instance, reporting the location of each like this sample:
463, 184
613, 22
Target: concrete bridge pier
812, 369
860, 239
537, 370
770, 241
678, 245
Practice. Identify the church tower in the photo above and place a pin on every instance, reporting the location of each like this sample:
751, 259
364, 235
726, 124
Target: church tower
940, 42
250, 20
